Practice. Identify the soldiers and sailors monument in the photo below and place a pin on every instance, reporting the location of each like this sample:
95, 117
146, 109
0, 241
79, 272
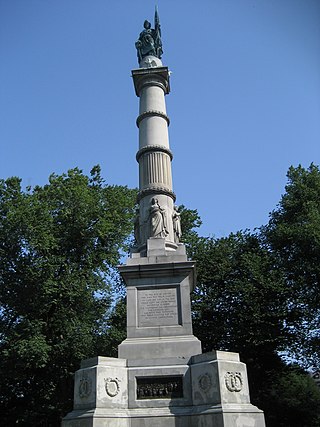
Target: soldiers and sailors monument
160, 378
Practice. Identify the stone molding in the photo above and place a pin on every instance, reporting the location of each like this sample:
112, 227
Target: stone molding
162, 269
149, 148
158, 76
152, 113
155, 190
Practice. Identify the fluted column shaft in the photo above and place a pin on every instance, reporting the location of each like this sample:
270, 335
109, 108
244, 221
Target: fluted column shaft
154, 155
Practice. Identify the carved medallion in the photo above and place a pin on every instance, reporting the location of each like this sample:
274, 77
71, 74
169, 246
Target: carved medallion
85, 386
233, 381
112, 386
205, 382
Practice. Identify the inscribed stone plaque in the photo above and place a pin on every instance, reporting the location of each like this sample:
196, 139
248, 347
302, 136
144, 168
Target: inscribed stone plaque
158, 307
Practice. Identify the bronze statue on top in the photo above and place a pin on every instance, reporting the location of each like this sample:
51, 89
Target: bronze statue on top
149, 42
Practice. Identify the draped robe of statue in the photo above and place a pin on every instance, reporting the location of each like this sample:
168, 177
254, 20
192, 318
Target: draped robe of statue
158, 220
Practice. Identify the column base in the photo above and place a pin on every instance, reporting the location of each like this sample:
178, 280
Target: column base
204, 390
141, 348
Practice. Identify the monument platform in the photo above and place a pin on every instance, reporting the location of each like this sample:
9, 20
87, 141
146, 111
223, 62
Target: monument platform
161, 379
207, 390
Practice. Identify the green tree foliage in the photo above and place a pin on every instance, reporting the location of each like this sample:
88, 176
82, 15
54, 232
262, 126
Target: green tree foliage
293, 236
258, 294
240, 299
116, 331
239, 305
292, 399
58, 246
190, 220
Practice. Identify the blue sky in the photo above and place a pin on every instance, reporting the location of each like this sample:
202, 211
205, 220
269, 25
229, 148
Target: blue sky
244, 102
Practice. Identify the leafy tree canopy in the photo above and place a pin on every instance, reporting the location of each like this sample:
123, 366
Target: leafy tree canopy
58, 246
258, 294
293, 236
240, 300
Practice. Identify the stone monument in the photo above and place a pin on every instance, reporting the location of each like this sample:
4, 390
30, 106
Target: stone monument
160, 379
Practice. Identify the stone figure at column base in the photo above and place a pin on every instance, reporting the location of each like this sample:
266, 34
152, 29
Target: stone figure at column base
158, 220
176, 218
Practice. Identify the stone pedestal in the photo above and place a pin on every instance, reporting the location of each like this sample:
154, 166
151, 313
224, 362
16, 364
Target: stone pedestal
158, 304
207, 390
161, 379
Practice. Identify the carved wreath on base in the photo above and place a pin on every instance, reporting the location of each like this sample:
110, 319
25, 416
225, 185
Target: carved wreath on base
205, 382
85, 387
233, 381
112, 386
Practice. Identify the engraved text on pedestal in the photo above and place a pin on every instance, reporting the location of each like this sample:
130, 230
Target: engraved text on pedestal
158, 307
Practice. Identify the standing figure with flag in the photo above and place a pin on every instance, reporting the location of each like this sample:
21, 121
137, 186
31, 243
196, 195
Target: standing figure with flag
149, 42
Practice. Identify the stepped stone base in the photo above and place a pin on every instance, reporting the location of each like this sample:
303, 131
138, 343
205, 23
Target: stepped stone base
207, 390
160, 347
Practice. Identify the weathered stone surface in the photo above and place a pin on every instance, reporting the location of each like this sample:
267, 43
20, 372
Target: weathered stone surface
167, 347
101, 385
158, 306
208, 396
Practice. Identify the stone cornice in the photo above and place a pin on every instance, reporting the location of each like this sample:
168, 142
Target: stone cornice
152, 113
150, 148
180, 268
157, 76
